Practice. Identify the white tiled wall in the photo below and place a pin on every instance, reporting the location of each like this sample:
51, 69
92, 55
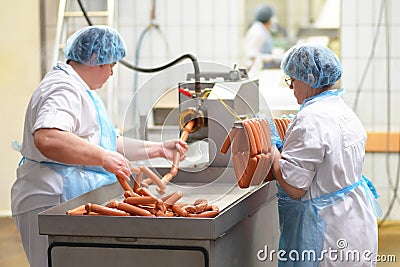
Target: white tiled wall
359, 26
210, 30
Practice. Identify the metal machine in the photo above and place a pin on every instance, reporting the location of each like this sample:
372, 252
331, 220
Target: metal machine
238, 236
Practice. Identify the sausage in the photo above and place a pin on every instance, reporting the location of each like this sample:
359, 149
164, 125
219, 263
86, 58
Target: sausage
135, 170
228, 140
173, 198
187, 129
180, 211
251, 140
154, 178
241, 142
161, 206
80, 210
124, 184
175, 163
159, 213
267, 133
213, 207
243, 158
167, 178
205, 214
190, 209
264, 137
104, 210
137, 181
146, 182
257, 136
142, 200
130, 194
145, 192
259, 173
133, 210
248, 173
177, 156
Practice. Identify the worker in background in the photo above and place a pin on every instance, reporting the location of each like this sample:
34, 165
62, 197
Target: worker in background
70, 146
258, 41
325, 203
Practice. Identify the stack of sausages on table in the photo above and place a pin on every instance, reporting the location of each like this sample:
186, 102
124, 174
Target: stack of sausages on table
144, 203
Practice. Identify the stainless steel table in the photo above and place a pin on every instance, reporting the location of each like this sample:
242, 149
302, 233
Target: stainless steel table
247, 223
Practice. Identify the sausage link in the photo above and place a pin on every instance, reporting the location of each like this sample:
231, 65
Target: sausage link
104, 210
135, 170
180, 211
130, 194
249, 172
228, 140
167, 178
134, 210
267, 134
161, 206
142, 200
259, 173
256, 134
80, 210
137, 181
124, 184
173, 198
251, 140
154, 178
145, 192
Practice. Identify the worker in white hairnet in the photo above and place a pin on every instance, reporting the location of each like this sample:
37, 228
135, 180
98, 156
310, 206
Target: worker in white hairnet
258, 41
70, 146
327, 208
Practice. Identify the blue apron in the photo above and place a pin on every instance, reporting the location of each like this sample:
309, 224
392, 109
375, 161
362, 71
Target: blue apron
81, 179
302, 227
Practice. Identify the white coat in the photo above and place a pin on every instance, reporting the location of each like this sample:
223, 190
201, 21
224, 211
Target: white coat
323, 152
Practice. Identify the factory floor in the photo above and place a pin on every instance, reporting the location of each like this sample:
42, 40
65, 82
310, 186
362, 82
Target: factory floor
12, 253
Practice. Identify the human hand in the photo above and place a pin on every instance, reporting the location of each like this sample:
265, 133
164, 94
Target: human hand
170, 146
117, 164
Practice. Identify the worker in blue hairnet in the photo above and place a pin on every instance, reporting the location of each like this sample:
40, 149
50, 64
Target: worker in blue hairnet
327, 210
258, 41
69, 144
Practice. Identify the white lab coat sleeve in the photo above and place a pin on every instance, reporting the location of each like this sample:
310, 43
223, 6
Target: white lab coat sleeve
61, 109
302, 153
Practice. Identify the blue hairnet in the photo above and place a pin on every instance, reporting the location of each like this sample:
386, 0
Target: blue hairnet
314, 65
95, 45
264, 13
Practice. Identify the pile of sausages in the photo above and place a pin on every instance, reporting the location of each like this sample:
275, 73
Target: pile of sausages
251, 151
144, 203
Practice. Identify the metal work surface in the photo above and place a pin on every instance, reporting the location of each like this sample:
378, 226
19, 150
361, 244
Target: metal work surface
234, 203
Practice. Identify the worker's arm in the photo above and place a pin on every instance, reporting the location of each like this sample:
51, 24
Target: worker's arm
293, 192
66, 147
135, 149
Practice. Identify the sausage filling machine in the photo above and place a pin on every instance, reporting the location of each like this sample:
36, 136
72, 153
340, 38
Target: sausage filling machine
246, 225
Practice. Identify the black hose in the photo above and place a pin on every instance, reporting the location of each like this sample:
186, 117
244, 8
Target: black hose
160, 68
85, 13
170, 64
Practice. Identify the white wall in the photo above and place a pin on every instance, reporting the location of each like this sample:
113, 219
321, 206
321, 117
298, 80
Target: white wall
358, 30
20, 72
